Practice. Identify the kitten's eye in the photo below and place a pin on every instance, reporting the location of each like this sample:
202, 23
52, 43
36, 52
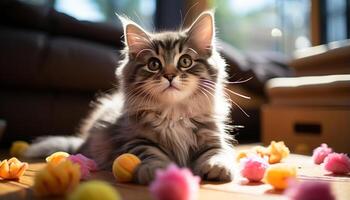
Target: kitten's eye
185, 61
154, 64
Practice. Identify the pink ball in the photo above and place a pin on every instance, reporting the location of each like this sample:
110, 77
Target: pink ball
174, 183
337, 163
310, 190
253, 168
320, 153
86, 165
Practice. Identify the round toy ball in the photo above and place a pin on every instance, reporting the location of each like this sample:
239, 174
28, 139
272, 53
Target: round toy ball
253, 168
320, 153
175, 183
124, 166
94, 190
310, 190
279, 175
57, 157
337, 163
18, 148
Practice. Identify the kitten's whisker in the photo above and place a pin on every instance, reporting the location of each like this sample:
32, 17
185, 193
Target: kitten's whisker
239, 81
236, 93
239, 107
232, 102
201, 90
208, 92
212, 87
228, 90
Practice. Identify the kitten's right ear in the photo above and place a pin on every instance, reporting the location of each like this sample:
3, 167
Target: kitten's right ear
136, 38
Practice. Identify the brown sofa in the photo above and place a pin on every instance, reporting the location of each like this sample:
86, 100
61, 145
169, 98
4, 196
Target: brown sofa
52, 66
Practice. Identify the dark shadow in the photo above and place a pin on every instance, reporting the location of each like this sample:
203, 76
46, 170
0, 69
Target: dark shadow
338, 175
253, 183
214, 182
274, 191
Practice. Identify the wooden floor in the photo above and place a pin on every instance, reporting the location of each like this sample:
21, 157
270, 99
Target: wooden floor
237, 189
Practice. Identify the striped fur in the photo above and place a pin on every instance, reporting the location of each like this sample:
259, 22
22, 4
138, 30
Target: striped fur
187, 125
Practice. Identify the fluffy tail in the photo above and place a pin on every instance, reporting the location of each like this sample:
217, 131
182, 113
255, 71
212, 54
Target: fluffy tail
45, 146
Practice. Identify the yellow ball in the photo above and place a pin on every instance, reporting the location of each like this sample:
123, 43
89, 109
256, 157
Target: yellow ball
18, 147
124, 166
57, 157
57, 179
94, 190
278, 175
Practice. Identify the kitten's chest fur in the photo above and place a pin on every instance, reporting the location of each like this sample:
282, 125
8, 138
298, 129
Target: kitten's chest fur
175, 131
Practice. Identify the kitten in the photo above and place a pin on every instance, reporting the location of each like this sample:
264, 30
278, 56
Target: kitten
170, 107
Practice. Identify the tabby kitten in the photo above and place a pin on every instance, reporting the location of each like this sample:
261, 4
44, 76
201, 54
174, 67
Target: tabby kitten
170, 107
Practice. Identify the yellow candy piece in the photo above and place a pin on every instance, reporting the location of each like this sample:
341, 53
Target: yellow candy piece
261, 151
124, 166
57, 179
277, 151
18, 148
57, 157
242, 154
94, 190
278, 175
12, 169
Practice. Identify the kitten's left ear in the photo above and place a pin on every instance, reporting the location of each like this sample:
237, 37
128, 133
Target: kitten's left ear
136, 38
201, 33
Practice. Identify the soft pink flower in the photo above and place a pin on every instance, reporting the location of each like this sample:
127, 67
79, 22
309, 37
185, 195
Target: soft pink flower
174, 183
337, 163
310, 190
86, 165
320, 153
253, 168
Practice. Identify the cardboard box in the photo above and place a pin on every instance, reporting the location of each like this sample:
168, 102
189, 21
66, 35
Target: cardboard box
303, 128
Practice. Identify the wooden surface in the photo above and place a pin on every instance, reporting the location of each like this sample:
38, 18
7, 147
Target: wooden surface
237, 189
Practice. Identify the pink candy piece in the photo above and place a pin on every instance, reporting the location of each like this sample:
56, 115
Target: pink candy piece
320, 153
86, 165
310, 190
174, 183
337, 163
253, 168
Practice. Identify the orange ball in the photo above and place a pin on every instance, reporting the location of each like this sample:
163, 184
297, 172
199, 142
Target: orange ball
57, 157
124, 167
278, 175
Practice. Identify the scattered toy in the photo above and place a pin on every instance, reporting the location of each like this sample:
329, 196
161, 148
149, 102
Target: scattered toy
12, 169
57, 179
94, 190
124, 166
253, 168
337, 163
310, 190
320, 153
57, 157
174, 183
278, 175
18, 148
86, 165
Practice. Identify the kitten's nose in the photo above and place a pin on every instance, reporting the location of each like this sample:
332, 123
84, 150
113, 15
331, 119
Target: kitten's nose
170, 77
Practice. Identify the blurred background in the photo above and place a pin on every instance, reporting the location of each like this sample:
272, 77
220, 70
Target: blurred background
56, 56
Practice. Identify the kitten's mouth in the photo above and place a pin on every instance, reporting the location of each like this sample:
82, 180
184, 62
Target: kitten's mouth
171, 88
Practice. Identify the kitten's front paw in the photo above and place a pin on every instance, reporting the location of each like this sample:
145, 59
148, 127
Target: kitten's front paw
215, 170
145, 173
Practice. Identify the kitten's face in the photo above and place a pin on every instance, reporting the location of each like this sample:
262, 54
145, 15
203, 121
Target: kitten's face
171, 66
